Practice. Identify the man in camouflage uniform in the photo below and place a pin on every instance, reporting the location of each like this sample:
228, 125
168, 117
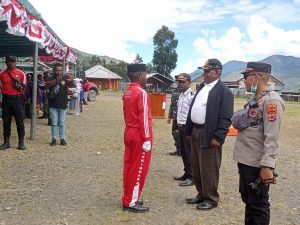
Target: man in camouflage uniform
256, 144
173, 117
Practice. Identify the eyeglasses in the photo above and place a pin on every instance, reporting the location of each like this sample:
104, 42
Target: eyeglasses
207, 70
181, 81
247, 75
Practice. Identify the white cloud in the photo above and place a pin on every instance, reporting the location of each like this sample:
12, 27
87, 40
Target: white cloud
262, 39
106, 27
111, 27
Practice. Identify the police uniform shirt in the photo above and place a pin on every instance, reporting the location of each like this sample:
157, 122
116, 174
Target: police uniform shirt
198, 112
184, 103
257, 145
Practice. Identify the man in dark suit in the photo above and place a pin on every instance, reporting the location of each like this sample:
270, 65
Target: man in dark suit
207, 125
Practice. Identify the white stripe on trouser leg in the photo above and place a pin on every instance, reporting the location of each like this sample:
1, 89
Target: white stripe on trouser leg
135, 192
135, 195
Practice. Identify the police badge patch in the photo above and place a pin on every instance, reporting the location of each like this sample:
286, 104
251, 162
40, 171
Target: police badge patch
253, 113
271, 111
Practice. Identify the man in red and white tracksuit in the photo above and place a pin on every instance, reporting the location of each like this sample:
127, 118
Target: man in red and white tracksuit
137, 138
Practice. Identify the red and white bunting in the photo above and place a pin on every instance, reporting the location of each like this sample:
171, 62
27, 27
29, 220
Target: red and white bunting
21, 23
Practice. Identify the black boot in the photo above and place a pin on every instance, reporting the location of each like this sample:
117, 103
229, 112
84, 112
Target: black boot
6, 144
21, 145
49, 122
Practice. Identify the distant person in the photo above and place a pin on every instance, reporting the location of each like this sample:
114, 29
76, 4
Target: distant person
137, 138
172, 117
74, 105
256, 144
85, 86
13, 102
45, 88
207, 125
58, 103
184, 102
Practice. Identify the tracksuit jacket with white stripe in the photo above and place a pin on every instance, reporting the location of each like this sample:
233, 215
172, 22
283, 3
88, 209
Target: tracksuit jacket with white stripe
138, 121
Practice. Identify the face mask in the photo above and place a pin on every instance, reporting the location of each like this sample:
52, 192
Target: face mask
253, 89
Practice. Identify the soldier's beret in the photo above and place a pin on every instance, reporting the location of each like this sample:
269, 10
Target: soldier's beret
257, 67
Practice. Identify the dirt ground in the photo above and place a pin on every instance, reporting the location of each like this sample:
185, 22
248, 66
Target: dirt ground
81, 184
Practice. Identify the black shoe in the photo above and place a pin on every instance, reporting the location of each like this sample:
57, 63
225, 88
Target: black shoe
173, 153
21, 145
5, 146
195, 200
53, 142
140, 202
182, 178
187, 182
136, 208
63, 142
206, 205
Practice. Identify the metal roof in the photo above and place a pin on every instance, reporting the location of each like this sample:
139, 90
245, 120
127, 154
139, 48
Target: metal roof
101, 72
236, 76
160, 78
19, 46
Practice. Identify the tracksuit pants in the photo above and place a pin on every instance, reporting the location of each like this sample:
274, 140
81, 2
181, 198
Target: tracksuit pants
136, 166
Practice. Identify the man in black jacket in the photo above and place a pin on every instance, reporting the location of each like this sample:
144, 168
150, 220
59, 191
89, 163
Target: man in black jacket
207, 125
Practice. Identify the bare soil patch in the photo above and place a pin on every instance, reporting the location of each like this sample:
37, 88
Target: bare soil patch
81, 184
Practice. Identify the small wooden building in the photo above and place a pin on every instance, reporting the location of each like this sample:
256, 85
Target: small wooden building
236, 83
158, 83
103, 78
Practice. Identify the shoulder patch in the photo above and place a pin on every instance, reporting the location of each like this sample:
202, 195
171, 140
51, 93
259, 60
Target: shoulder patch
271, 111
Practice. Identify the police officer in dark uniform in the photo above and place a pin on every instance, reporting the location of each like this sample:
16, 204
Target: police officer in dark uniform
173, 117
13, 102
256, 144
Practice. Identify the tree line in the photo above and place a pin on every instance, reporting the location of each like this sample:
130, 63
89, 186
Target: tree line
164, 57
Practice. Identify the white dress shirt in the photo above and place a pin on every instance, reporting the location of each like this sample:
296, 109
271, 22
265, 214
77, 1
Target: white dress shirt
183, 105
198, 112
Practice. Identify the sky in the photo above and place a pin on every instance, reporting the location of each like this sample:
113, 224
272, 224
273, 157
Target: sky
245, 30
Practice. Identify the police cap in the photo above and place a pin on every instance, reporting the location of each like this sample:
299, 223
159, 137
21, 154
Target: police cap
212, 64
257, 67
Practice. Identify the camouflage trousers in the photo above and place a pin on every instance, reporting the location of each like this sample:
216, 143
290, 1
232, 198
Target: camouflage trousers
46, 105
175, 134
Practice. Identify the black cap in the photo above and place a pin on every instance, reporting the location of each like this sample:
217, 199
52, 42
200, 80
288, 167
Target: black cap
183, 77
212, 64
10, 58
131, 68
257, 67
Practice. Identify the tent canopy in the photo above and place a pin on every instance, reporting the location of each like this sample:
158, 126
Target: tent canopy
21, 26
19, 46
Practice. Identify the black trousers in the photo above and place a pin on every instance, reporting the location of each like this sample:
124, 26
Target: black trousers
185, 147
206, 163
13, 106
257, 211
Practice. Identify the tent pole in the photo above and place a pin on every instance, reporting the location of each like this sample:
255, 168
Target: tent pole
34, 93
75, 75
64, 66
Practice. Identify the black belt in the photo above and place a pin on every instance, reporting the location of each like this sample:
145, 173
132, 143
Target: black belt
13, 96
255, 123
181, 125
199, 126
